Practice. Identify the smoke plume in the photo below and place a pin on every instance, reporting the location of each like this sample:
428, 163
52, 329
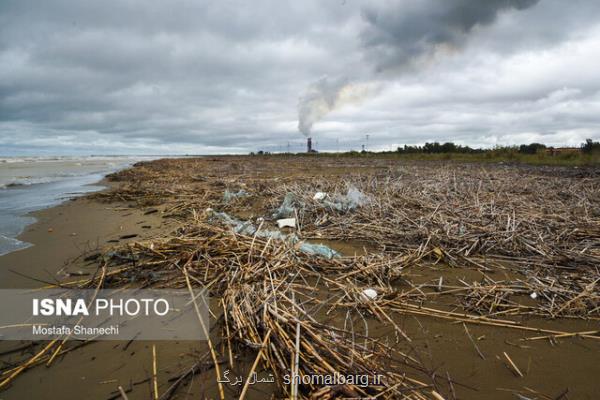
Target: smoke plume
320, 98
400, 35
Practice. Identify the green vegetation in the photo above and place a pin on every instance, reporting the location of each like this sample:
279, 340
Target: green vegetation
535, 153
590, 147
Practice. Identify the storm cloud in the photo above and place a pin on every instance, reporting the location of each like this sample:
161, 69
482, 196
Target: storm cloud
213, 77
411, 32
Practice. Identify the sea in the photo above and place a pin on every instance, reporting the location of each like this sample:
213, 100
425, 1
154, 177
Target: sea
33, 183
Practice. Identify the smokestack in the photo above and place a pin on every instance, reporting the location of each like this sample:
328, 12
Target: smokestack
309, 145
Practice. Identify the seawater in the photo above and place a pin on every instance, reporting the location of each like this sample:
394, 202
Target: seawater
31, 184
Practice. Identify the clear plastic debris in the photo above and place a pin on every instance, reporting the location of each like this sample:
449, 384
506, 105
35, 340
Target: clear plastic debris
318, 249
248, 228
353, 199
228, 196
286, 209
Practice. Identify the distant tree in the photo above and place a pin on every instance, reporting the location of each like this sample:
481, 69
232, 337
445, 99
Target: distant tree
431, 147
531, 148
435, 147
590, 146
448, 147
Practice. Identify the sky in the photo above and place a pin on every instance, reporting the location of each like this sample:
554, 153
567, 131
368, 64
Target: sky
212, 77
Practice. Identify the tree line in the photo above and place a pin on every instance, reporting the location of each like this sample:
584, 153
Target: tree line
434, 148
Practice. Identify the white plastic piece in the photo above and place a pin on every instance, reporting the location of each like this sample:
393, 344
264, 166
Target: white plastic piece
533, 295
369, 294
319, 196
290, 222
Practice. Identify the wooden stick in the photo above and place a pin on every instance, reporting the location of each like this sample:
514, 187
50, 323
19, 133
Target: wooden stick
229, 353
473, 342
262, 348
24, 366
206, 333
436, 395
513, 365
296, 355
154, 373
123, 394
562, 335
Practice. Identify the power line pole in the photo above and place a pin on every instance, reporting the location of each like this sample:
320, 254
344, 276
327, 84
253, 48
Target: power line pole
367, 146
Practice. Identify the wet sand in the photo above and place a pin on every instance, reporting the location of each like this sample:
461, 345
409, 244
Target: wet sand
67, 231
566, 366
94, 371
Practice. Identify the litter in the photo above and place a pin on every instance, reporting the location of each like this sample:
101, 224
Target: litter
287, 207
356, 198
248, 228
318, 249
319, 196
353, 199
289, 222
369, 294
228, 196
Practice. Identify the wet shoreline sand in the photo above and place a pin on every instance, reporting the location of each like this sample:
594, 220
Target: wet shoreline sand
60, 236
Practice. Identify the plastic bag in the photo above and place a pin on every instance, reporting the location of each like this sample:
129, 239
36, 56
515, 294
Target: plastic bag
286, 209
228, 196
353, 199
247, 228
318, 249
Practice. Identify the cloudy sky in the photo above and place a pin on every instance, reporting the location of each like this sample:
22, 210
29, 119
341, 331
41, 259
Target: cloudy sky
207, 76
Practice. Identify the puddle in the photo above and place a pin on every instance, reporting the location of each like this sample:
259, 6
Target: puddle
347, 248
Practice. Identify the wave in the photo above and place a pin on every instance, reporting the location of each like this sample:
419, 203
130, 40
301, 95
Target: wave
8, 244
21, 181
34, 159
30, 172
28, 181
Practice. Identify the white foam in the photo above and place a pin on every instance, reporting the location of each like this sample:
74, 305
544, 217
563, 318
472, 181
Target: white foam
8, 245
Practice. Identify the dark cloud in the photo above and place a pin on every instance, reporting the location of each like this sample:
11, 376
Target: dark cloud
400, 34
204, 76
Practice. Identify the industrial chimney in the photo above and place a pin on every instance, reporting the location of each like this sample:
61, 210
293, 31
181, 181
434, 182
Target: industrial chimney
309, 145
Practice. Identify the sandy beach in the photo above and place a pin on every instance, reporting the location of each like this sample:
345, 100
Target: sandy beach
61, 236
469, 362
66, 232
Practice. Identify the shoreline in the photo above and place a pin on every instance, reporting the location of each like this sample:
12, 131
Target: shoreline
65, 231
30, 185
20, 238
79, 226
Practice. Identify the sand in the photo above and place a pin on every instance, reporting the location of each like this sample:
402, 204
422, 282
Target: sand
61, 234
67, 231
